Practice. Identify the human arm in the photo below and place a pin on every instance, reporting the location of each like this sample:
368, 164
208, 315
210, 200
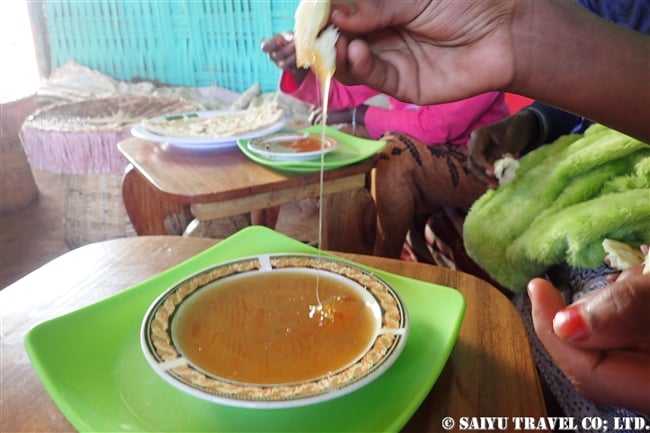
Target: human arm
341, 97
553, 123
433, 124
303, 83
450, 122
601, 342
354, 116
492, 142
516, 135
282, 51
432, 51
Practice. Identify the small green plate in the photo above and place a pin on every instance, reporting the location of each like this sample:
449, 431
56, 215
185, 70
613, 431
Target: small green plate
351, 150
91, 363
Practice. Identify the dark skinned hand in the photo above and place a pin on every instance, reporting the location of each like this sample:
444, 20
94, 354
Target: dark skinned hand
602, 341
492, 142
282, 51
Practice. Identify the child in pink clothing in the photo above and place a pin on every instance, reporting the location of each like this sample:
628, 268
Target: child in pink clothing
423, 165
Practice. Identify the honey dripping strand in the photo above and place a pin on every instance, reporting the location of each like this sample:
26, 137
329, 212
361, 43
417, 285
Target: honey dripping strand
325, 96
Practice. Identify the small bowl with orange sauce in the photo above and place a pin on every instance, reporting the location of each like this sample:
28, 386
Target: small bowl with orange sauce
293, 146
275, 331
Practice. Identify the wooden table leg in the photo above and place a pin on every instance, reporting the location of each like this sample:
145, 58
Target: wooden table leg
151, 211
349, 221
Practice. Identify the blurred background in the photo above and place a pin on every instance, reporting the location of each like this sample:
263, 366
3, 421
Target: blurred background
19, 73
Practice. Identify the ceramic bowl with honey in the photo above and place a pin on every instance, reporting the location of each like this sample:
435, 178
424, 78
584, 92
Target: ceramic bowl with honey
273, 331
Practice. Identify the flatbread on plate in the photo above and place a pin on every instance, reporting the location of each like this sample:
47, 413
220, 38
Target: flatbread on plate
225, 124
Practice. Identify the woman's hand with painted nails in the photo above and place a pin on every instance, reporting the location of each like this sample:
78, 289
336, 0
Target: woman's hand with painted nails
602, 341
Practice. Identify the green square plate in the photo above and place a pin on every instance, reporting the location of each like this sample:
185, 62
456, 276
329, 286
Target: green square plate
351, 150
91, 363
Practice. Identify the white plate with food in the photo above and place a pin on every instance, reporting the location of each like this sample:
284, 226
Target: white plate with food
275, 331
293, 146
210, 129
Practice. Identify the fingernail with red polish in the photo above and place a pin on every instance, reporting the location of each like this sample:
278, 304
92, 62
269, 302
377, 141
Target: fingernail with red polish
571, 324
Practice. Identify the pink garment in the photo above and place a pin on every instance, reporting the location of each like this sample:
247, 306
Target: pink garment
451, 122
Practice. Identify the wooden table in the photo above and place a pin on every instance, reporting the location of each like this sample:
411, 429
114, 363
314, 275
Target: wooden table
211, 184
491, 371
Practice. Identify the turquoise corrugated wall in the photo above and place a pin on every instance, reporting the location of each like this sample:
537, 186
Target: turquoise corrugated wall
179, 42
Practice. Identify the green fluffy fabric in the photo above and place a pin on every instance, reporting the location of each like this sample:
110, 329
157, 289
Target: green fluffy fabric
566, 198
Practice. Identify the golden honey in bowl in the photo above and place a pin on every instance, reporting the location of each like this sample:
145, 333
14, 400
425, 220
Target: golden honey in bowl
261, 328
309, 143
351, 330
